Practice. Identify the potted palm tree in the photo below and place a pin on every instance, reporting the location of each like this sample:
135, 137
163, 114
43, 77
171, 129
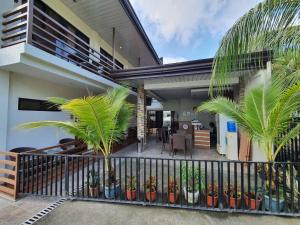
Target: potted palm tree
131, 188
100, 122
173, 190
151, 189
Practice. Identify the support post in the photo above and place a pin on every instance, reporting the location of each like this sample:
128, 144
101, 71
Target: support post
29, 21
113, 46
141, 117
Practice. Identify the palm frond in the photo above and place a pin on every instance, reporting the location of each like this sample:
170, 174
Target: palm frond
270, 25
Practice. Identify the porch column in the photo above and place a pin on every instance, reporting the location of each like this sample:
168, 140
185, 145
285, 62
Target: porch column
141, 117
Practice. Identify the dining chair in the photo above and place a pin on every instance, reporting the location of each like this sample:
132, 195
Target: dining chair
178, 143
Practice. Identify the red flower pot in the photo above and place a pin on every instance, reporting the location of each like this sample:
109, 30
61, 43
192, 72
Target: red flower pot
151, 196
210, 199
172, 198
251, 203
131, 195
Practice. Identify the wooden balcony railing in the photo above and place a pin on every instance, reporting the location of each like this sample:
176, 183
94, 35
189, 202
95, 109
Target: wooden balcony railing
27, 23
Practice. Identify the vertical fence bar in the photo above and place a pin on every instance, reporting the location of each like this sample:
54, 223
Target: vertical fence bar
88, 176
242, 185
270, 186
46, 191
175, 182
61, 175
180, 181
120, 180
51, 175
162, 181
37, 176
145, 161
138, 178
56, 175
284, 188
42, 173
168, 180
125, 177
199, 181
292, 185
228, 184
255, 180
277, 186
131, 175
66, 175
150, 191
103, 178
115, 181
77, 176
212, 183
186, 182
263, 174
249, 185
193, 182
205, 176
82, 177
235, 185
73, 180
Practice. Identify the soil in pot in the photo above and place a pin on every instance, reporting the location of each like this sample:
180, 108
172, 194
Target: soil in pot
251, 202
151, 196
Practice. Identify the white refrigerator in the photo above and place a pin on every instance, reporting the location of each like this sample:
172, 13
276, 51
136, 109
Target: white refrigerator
221, 124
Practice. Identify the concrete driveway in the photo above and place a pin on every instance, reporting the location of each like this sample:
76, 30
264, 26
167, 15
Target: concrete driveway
92, 213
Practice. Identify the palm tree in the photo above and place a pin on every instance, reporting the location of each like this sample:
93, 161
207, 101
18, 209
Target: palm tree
271, 25
99, 120
264, 114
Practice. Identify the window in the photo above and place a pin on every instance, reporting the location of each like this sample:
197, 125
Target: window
27, 104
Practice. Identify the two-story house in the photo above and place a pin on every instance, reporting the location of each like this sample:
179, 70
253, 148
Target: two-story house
63, 48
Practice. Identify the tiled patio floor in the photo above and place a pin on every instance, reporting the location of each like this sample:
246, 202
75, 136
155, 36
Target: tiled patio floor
153, 149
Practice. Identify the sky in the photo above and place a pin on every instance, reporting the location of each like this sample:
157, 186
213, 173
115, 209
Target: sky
182, 30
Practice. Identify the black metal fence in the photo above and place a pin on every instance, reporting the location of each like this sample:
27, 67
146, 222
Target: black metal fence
250, 187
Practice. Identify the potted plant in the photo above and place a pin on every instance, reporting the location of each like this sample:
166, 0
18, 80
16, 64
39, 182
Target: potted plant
131, 188
100, 122
212, 196
151, 189
94, 184
273, 206
112, 185
235, 197
191, 184
173, 190
252, 201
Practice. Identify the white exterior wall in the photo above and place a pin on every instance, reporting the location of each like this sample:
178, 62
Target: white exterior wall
4, 101
261, 77
28, 87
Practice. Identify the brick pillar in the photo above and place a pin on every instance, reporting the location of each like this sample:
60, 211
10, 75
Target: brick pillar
141, 117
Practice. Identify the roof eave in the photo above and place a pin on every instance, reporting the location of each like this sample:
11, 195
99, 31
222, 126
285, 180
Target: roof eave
136, 22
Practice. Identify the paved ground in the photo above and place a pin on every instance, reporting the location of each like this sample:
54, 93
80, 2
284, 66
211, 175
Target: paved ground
153, 149
91, 213
13, 213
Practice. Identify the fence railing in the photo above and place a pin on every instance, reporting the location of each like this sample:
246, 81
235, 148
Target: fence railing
9, 174
250, 187
28, 23
291, 150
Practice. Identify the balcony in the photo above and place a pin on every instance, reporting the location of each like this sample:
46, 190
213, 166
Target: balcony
28, 23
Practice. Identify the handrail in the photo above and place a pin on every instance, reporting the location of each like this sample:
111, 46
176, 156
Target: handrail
31, 25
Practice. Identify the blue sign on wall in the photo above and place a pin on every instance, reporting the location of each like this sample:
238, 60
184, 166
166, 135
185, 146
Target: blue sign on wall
231, 126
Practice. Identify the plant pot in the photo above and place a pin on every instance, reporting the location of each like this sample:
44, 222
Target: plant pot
251, 203
94, 192
273, 204
112, 192
131, 195
173, 198
189, 196
151, 196
212, 201
232, 200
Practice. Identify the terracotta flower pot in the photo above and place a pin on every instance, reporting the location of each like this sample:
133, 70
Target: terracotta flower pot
231, 202
151, 196
131, 195
251, 203
172, 198
94, 192
210, 200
